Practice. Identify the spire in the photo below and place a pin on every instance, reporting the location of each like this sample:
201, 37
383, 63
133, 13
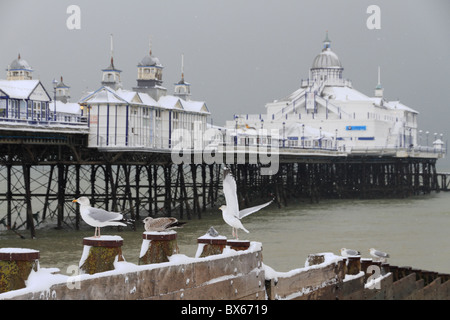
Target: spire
326, 42
379, 88
150, 45
182, 67
182, 88
111, 75
112, 52
18, 56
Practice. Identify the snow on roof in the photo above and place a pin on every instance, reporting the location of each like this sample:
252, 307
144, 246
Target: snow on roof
195, 106
18, 89
346, 94
104, 95
169, 102
399, 106
294, 95
148, 100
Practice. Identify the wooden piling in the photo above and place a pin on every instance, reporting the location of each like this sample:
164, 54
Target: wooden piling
238, 245
99, 254
209, 245
15, 267
353, 265
157, 247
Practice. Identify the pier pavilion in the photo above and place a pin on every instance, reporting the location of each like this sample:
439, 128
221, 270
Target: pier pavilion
327, 112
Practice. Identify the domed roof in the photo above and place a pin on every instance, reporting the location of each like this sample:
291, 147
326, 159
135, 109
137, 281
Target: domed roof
148, 61
326, 59
19, 64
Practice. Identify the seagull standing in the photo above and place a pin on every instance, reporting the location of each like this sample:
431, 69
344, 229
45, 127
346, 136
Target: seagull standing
230, 212
161, 224
98, 218
349, 252
379, 255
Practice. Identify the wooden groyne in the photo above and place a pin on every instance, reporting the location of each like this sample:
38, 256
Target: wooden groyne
239, 275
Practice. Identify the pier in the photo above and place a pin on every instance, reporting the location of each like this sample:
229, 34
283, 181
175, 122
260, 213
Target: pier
44, 171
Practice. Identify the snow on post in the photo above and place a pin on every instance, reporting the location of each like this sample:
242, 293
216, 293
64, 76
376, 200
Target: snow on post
210, 245
99, 254
15, 267
157, 246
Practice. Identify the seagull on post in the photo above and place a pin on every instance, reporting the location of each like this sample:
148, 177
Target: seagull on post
161, 224
379, 255
230, 212
98, 218
349, 252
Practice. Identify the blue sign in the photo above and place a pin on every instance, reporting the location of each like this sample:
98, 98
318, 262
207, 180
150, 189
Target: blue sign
355, 128
292, 138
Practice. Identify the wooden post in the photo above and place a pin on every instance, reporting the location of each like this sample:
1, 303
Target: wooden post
353, 265
315, 259
15, 267
157, 247
238, 245
209, 245
99, 254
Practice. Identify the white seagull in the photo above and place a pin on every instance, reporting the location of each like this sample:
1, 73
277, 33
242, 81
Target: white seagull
161, 224
349, 252
230, 212
379, 255
98, 218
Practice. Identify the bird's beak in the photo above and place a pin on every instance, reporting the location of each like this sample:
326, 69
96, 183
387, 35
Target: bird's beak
75, 200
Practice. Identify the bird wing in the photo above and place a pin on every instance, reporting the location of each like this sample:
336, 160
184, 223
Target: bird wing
101, 215
229, 190
381, 254
353, 252
248, 211
162, 222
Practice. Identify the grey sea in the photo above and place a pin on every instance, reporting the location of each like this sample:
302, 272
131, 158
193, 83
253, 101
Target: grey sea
414, 231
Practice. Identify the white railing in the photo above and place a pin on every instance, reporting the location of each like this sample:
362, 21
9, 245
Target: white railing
81, 122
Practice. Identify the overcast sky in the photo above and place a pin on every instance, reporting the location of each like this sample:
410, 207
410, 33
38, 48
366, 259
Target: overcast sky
240, 54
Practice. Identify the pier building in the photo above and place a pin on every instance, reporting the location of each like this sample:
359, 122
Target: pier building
327, 112
145, 116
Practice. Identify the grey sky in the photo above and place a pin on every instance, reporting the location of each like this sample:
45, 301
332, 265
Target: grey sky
239, 55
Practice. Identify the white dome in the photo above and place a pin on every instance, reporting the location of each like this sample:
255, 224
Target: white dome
326, 59
148, 61
19, 64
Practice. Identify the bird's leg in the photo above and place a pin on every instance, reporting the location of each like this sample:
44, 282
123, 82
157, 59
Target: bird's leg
232, 231
237, 237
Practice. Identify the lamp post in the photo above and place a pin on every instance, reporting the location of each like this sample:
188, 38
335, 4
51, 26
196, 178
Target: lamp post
284, 132
335, 139
55, 82
320, 138
427, 136
303, 135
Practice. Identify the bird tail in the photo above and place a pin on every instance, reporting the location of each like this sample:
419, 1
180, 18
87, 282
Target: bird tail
177, 224
245, 230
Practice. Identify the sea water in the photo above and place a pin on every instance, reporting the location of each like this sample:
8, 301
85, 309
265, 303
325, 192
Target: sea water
414, 231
